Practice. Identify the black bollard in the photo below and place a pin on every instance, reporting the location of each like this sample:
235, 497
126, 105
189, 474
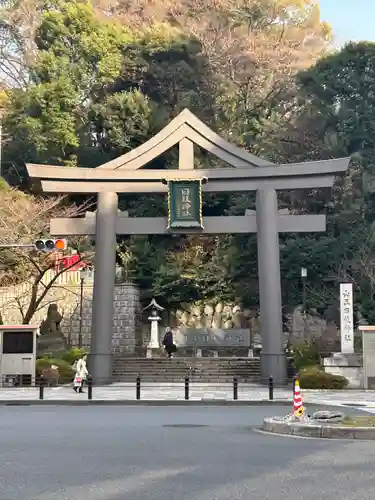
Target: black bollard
138, 388
89, 387
186, 388
41, 387
235, 388
270, 388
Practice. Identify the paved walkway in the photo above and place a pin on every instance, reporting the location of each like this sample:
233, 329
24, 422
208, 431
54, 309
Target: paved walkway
198, 392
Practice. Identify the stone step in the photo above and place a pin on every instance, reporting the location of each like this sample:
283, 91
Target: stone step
192, 363
186, 358
218, 376
199, 370
183, 365
169, 377
181, 370
184, 368
192, 368
181, 376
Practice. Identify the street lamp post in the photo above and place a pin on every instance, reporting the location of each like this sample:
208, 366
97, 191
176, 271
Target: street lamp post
84, 274
304, 299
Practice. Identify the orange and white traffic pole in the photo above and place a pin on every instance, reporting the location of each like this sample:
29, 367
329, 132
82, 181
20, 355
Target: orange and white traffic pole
298, 408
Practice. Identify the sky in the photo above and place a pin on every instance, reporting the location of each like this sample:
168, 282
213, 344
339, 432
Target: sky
349, 19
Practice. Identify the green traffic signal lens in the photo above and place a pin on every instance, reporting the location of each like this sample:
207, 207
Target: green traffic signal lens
39, 245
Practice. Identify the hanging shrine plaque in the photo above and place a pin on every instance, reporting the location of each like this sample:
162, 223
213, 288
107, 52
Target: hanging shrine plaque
185, 204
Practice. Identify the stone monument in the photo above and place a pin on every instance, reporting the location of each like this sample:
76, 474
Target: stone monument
346, 363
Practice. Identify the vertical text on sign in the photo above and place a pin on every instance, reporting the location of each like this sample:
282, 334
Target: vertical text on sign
185, 204
346, 318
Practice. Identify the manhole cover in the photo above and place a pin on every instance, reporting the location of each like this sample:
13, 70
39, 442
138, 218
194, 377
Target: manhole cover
185, 426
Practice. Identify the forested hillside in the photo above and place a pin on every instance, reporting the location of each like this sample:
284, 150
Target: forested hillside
85, 82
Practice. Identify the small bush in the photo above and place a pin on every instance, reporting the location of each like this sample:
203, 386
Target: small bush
305, 355
73, 355
314, 378
65, 371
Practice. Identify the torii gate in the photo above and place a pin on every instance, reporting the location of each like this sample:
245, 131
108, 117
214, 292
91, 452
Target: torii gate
185, 187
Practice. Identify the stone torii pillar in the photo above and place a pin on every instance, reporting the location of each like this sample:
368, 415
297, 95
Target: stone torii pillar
273, 361
100, 358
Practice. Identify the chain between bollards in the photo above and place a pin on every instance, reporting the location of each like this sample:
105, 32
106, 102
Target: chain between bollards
187, 381
89, 387
270, 388
138, 388
41, 387
235, 388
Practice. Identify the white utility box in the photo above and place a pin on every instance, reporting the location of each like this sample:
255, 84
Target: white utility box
18, 354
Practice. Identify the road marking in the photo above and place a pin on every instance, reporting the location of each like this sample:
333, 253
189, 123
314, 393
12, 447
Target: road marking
112, 488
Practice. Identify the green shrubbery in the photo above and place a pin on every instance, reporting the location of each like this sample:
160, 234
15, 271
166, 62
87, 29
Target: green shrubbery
74, 354
64, 362
305, 355
314, 378
65, 370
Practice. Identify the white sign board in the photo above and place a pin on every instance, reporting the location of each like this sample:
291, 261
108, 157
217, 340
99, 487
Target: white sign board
346, 318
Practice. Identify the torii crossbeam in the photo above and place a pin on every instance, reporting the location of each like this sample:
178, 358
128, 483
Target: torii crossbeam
247, 173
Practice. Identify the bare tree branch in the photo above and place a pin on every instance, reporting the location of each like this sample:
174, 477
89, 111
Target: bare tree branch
23, 219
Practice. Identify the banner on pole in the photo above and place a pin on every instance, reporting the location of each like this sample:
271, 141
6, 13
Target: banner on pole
346, 318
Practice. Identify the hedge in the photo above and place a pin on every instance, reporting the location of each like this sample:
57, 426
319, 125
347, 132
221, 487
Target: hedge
314, 378
65, 370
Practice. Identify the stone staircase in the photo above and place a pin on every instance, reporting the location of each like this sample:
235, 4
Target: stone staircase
204, 370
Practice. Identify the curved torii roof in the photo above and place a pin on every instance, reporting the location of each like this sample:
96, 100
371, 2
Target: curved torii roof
126, 173
185, 126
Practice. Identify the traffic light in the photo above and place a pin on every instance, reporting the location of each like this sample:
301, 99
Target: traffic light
50, 245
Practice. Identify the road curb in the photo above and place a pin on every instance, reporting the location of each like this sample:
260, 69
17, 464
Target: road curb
144, 402
326, 431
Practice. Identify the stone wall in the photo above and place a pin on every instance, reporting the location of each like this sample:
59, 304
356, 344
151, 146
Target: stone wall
297, 327
66, 294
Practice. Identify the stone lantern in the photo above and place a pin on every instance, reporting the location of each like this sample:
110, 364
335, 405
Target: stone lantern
154, 319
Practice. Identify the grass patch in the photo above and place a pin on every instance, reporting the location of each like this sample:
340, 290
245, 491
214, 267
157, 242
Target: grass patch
362, 421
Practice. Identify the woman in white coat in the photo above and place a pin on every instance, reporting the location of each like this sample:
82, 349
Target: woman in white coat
81, 374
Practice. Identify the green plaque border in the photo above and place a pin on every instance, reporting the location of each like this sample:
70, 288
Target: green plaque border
197, 220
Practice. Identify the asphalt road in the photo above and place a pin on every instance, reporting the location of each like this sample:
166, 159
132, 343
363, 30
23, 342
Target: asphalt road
172, 453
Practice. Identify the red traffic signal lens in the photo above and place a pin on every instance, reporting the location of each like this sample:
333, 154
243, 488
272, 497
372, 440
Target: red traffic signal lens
60, 244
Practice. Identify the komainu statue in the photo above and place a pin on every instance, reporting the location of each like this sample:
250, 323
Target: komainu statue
51, 339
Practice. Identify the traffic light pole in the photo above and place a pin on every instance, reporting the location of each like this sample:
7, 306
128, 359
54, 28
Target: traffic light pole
17, 245
48, 245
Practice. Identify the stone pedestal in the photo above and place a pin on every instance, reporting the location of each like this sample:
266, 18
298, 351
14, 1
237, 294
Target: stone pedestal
349, 366
154, 337
155, 352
